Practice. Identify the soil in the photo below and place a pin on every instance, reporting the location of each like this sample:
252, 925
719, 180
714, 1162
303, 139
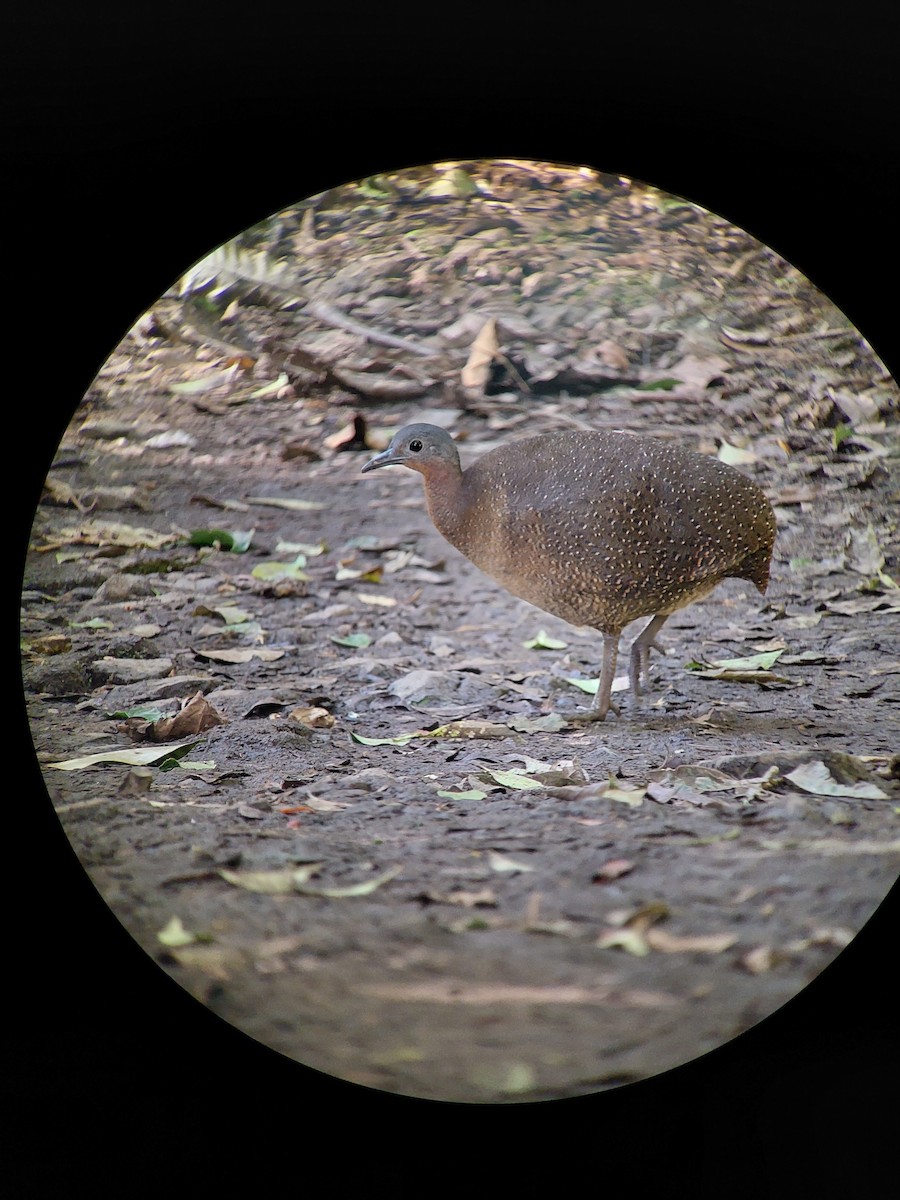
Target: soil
663, 884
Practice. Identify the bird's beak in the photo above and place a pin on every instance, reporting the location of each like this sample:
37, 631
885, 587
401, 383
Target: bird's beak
387, 458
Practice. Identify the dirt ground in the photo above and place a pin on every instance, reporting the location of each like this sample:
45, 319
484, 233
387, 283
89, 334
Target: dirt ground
613, 900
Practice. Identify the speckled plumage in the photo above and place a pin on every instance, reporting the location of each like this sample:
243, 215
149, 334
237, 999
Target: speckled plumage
596, 528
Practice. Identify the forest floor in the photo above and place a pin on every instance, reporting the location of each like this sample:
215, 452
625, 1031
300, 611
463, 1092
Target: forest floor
515, 907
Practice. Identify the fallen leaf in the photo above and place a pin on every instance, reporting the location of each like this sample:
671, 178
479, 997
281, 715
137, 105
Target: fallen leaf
312, 718
185, 764
241, 656
755, 662
235, 540
49, 644
249, 813
543, 641
470, 729
486, 898
509, 779
632, 941
214, 502
633, 797
355, 889
759, 960
471, 794
735, 455
318, 804
503, 864
307, 549
614, 869
816, 778
355, 641
550, 723
272, 883
271, 572
586, 685
286, 502
670, 943
485, 348
197, 715
218, 962
109, 533
852, 608
631, 936
175, 934
143, 756
229, 613
400, 740
369, 575
863, 553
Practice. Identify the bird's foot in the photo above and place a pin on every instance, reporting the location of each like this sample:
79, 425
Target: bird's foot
593, 715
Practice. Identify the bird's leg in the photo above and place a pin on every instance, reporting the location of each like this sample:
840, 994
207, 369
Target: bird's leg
638, 665
602, 702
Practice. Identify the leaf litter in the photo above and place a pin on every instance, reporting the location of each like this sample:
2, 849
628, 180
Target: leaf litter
652, 313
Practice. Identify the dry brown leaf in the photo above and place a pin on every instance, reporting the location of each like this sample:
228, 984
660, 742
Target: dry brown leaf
312, 718
759, 960
240, 656
673, 943
485, 349
58, 492
614, 869
50, 643
461, 991
612, 355
195, 717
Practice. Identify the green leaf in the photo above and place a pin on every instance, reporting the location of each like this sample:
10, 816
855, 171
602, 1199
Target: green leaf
659, 385
755, 662
270, 571
839, 434
146, 712
272, 883
268, 389
237, 541
511, 779
633, 797
175, 934
205, 383
543, 641
355, 641
587, 685
93, 623
230, 613
472, 794
137, 756
169, 764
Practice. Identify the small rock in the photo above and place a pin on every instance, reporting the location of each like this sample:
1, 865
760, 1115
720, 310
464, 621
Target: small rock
130, 670
123, 587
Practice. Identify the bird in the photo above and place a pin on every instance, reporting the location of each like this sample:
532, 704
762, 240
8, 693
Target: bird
599, 528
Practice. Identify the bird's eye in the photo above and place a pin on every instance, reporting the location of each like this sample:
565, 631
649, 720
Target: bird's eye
415, 445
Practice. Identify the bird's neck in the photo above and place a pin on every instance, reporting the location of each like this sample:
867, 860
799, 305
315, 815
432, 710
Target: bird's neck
445, 497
